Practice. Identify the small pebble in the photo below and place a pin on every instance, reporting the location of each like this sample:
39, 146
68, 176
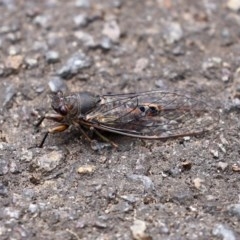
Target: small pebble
226, 37
198, 182
233, 5
74, 65
4, 168
106, 43
182, 195
160, 83
236, 167
42, 21
141, 64
82, 3
9, 28
39, 46
14, 167
117, 3
31, 62
163, 228
33, 208
129, 198
57, 84
14, 50
122, 207
222, 166
39, 88
52, 57
8, 94
138, 230
234, 209
3, 190
178, 50
26, 155
173, 32
14, 37
100, 224
187, 138
224, 232
28, 194
214, 153
50, 161
146, 181
14, 62
226, 75
85, 38
12, 212
87, 169
80, 20
98, 146
112, 30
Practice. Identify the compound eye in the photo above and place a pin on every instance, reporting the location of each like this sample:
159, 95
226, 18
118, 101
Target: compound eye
63, 110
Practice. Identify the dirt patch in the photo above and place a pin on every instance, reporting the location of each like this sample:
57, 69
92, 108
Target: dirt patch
185, 188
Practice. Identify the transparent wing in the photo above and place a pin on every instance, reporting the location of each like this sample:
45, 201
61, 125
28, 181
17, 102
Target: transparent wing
153, 115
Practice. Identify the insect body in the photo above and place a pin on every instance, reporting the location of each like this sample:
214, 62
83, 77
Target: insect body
146, 115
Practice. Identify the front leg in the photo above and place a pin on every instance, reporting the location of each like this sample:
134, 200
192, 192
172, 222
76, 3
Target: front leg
54, 117
56, 129
50, 116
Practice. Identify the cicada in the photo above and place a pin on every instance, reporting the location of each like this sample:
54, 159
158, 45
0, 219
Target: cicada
153, 115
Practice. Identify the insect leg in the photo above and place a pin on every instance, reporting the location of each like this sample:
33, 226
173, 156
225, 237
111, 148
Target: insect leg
43, 140
103, 137
40, 121
84, 134
54, 117
56, 129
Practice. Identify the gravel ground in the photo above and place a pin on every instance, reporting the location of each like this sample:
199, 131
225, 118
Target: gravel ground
185, 188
